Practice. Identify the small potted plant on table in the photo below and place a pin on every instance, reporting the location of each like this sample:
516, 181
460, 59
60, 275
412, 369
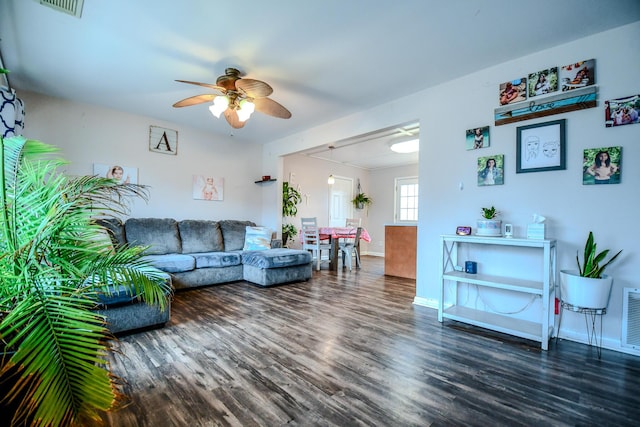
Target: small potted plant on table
489, 225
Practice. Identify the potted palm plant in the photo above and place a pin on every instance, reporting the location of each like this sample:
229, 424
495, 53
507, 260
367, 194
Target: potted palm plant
489, 225
588, 286
291, 198
55, 261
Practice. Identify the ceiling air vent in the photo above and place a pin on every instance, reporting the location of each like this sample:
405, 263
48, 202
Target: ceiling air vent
72, 7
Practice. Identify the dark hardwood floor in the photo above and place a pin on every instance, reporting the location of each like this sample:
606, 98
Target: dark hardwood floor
350, 348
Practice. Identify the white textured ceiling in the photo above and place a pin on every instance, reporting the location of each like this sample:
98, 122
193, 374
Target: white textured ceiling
324, 59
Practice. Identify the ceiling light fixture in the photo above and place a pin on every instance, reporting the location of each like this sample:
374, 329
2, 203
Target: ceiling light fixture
243, 107
331, 180
406, 147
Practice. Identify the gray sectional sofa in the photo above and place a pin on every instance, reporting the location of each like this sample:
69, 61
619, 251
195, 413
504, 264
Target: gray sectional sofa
198, 253
201, 252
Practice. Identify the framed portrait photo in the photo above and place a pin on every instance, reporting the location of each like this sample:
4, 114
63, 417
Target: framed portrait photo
477, 138
490, 170
541, 147
602, 165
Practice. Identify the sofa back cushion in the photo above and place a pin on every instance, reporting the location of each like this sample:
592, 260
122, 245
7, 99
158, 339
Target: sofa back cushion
160, 234
200, 236
233, 232
115, 228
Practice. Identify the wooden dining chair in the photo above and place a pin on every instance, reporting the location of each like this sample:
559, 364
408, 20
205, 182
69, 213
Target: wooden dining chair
311, 240
350, 248
353, 222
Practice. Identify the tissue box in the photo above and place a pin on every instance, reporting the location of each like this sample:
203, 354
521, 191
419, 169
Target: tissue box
535, 231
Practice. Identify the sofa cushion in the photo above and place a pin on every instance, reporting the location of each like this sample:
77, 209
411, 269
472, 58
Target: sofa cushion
276, 258
217, 259
257, 238
117, 295
115, 228
172, 263
160, 234
200, 236
233, 233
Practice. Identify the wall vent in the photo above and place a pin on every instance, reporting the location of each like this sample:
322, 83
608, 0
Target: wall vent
72, 7
631, 318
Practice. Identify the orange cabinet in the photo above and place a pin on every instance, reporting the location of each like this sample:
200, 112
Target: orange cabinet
400, 246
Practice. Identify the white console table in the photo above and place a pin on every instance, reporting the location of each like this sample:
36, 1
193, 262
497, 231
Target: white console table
545, 250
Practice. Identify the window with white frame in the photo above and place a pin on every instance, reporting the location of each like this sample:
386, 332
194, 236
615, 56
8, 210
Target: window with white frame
406, 199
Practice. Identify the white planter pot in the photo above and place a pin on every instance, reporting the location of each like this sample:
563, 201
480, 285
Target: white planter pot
489, 227
585, 292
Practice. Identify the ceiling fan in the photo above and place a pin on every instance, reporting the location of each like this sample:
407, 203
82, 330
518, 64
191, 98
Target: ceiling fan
237, 98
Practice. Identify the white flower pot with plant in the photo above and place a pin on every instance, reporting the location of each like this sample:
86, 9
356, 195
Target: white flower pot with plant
488, 225
588, 287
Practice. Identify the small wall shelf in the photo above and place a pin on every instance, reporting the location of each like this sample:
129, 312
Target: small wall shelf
262, 181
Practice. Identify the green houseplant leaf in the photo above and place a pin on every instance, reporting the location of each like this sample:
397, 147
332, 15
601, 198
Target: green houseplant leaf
291, 198
54, 262
590, 267
361, 200
489, 213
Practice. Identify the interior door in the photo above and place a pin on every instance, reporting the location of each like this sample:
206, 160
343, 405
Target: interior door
340, 207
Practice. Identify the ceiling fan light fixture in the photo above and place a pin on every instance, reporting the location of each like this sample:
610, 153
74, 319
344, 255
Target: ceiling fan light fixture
245, 109
406, 147
220, 103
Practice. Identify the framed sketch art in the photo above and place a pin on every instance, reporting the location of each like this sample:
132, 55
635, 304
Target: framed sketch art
541, 147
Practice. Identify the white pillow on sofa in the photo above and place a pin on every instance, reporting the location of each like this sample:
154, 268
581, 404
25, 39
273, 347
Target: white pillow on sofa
257, 238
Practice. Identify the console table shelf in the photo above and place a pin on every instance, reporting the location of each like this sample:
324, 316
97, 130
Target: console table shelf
541, 329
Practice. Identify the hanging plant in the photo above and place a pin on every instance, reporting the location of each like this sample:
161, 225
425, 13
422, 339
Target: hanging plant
361, 200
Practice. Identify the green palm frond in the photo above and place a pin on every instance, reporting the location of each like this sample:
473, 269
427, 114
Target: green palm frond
54, 264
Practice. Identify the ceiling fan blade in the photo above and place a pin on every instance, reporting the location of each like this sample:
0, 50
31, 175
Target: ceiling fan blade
210, 86
254, 88
232, 118
271, 107
195, 100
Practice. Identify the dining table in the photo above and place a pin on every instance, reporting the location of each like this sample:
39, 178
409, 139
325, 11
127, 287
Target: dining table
334, 234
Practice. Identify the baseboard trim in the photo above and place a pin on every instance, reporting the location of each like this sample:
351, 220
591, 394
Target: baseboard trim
426, 302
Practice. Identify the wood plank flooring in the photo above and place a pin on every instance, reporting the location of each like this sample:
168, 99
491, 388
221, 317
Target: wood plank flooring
350, 349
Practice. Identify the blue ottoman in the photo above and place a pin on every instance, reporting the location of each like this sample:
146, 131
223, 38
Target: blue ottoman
276, 266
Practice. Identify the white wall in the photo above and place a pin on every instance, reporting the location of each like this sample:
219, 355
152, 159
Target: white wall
88, 134
446, 111
382, 190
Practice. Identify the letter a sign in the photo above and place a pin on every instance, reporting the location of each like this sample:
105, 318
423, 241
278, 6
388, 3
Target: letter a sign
163, 140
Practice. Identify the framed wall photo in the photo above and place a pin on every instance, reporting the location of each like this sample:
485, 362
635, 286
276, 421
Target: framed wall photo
541, 147
491, 170
543, 82
123, 174
602, 165
208, 187
477, 138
